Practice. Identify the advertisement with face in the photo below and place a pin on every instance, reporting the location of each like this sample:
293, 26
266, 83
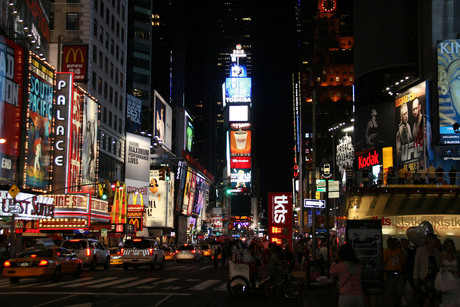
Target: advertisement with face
448, 53
413, 131
11, 90
75, 139
38, 145
240, 180
163, 120
156, 212
90, 144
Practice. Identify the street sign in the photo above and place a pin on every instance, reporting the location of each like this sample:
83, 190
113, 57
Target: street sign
314, 203
14, 191
334, 194
320, 185
333, 185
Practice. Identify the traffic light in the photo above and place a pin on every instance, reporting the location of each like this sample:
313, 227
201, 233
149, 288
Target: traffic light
228, 191
168, 177
161, 174
104, 195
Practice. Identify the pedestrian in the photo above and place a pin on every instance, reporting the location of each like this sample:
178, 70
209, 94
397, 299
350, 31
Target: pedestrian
422, 175
299, 251
409, 252
431, 174
408, 176
452, 175
394, 261
450, 260
401, 175
347, 270
440, 175
426, 266
416, 177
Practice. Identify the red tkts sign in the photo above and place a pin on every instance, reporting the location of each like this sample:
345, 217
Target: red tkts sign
280, 218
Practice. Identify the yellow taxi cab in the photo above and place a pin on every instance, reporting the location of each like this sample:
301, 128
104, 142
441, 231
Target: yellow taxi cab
206, 250
170, 254
42, 262
115, 256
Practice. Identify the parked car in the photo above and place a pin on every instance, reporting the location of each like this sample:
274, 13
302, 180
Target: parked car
90, 251
115, 256
142, 251
187, 252
42, 262
206, 250
170, 254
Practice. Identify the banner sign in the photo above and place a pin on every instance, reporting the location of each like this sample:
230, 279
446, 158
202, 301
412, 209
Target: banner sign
26, 206
280, 218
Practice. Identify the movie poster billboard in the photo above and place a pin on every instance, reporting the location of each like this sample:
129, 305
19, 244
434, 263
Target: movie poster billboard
157, 209
39, 125
89, 154
75, 59
280, 218
75, 139
365, 237
11, 103
163, 120
133, 113
62, 142
188, 192
413, 130
201, 196
448, 55
371, 126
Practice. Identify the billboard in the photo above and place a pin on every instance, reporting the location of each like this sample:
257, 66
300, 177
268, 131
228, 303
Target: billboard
133, 113
240, 162
448, 55
189, 135
39, 125
238, 90
280, 218
163, 120
75, 59
137, 158
240, 142
238, 113
74, 177
160, 211
89, 154
62, 142
11, 102
413, 129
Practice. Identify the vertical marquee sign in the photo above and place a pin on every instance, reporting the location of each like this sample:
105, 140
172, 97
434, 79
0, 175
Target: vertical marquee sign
280, 218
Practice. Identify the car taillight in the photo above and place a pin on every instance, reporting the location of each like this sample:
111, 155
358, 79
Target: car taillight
151, 251
88, 252
177, 252
7, 264
122, 251
43, 263
193, 251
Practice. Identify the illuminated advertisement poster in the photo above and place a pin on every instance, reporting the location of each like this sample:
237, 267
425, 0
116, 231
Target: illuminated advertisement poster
240, 162
280, 218
170, 200
240, 180
238, 113
75, 59
40, 115
448, 53
199, 196
371, 126
63, 109
89, 151
75, 139
345, 153
162, 120
157, 209
182, 174
26, 206
189, 192
133, 113
237, 90
11, 91
192, 191
413, 130
190, 132
240, 142
238, 70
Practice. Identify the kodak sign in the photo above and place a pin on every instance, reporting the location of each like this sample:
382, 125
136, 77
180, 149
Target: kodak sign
368, 159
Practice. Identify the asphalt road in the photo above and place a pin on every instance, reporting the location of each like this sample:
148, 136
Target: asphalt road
178, 284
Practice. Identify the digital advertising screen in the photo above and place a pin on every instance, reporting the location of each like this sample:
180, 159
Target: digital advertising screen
448, 55
240, 180
11, 104
238, 90
162, 120
133, 113
74, 178
240, 162
240, 142
90, 144
189, 134
39, 125
238, 113
238, 70
280, 218
157, 208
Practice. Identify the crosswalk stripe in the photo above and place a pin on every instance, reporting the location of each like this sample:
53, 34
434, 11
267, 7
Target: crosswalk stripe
222, 287
30, 284
160, 282
175, 268
84, 284
111, 283
62, 283
204, 284
136, 283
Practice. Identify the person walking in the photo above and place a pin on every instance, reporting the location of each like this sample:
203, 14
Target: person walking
431, 174
450, 260
394, 261
452, 175
440, 175
347, 270
426, 266
422, 175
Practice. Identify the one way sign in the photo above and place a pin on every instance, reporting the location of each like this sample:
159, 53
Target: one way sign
314, 203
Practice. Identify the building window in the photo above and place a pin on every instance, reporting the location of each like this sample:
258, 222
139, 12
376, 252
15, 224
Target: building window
107, 41
52, 21
111, 95
107, 16
123, 35
106, 65
73, 1
101, 58
104, 116
72, 21
121, 80
116, 99
101, 34
122, 58
337, 79
117, 52
96, 4
94, 54
112, 43
115, 122
118, 29
99, 85
95, 28
101, 12
120, 126
121, 104
116, 75
123, 12
110, 119
93, 82
106, 90
111, 70
113, 23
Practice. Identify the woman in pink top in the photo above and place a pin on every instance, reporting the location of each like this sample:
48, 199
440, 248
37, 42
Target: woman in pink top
347, 270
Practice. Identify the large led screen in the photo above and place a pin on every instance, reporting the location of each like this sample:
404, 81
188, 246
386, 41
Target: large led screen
162, 120
133, 113
11, 91
39, 125
238, 90
158, 206
449, 90
240, 142
413, 129
238, 113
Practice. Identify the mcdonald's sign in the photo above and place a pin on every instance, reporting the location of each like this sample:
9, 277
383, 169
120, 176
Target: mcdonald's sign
75, 59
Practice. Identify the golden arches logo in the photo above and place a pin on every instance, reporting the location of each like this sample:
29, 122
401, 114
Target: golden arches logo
136, 223
75, 51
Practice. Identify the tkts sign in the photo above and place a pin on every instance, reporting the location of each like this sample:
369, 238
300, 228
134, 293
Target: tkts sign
280, 218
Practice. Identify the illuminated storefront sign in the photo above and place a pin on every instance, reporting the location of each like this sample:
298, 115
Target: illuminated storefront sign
26, 206
238, 90
75, 59
280, 218
368, 159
